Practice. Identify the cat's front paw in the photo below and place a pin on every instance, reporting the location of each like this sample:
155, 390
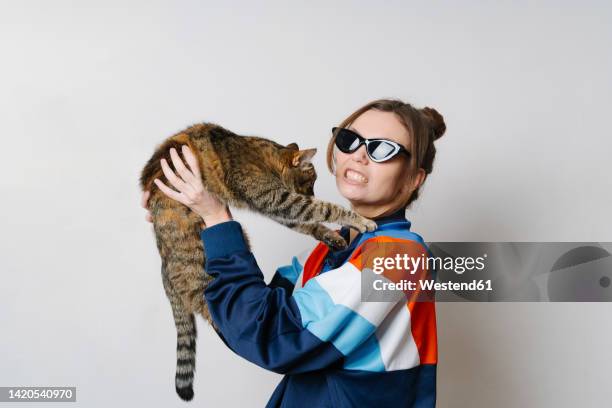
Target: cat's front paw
363, 224
334, 240
370, 225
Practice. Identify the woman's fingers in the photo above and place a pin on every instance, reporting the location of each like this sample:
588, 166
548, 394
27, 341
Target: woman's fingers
144, 201
170, 192
191, 191
180, 167
176, 182
192, 161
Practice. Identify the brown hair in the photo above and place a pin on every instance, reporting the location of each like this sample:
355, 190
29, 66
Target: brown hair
424, 126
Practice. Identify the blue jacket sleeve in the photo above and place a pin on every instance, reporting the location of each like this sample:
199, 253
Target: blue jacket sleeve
279, 331
286, 276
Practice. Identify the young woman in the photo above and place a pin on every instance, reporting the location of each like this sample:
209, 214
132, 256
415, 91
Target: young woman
311, 322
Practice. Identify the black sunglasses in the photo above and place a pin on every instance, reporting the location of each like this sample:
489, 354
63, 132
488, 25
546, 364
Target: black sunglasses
379, 150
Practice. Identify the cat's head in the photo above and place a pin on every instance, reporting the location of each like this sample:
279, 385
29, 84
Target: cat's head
298, 173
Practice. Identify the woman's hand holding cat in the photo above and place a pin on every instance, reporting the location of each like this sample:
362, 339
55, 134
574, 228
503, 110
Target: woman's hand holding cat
191, 191
144, 202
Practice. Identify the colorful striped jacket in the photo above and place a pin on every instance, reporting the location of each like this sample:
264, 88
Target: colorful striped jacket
311, 323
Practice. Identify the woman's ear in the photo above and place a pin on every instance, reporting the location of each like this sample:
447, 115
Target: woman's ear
419, 179
412, 183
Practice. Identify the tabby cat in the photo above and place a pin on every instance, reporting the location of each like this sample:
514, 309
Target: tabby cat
245, 172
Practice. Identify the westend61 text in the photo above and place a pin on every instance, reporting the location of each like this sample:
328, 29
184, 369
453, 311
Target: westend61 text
412, 264
429, 284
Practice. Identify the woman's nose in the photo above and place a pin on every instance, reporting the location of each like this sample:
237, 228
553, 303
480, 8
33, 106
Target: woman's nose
360, 155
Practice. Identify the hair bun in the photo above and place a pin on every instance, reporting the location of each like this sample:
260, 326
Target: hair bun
436, 121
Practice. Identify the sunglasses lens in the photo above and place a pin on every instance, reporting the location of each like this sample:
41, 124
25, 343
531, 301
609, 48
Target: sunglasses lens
380, 150
346, 141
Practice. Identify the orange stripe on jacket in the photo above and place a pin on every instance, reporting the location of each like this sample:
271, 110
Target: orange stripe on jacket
421, 304
314, 263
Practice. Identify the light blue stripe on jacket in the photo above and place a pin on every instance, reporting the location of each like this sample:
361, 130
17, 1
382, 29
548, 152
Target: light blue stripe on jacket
348, 331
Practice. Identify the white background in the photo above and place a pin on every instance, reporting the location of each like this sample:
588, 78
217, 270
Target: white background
87, 90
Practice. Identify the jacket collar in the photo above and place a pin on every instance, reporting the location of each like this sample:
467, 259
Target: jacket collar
397, 216
394, 220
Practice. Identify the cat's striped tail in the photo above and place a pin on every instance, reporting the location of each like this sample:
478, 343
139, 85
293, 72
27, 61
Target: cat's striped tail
185, 342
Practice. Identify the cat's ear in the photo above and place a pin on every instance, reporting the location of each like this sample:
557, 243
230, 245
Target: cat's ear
303, 156
293, 146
